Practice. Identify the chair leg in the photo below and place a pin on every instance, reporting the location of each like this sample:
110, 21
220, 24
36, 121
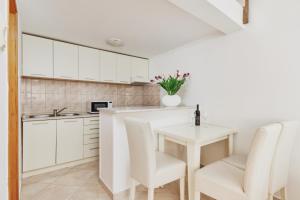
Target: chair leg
132, 189
150, 193
181, 186
283, 194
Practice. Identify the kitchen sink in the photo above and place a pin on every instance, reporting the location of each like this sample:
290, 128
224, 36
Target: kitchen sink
50, 115
39, 116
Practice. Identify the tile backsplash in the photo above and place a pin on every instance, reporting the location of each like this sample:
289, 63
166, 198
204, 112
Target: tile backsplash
40, 96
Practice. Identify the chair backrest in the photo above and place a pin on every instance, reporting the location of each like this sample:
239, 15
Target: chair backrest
258, 168
281, 161
141, 150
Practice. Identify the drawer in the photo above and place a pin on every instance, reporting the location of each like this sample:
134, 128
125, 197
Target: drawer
91, 121
91, 150
91, 129
91, 138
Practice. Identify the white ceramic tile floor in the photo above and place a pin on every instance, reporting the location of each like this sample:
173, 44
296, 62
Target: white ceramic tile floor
81, 183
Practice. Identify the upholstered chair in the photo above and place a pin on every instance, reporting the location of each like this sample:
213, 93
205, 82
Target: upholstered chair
281, 160
147, 166
223, 181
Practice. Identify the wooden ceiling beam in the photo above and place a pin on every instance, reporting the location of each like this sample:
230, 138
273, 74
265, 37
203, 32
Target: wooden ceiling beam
246, 12
13, 6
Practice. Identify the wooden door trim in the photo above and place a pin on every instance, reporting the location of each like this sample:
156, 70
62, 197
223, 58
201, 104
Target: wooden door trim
246, 12
13, 102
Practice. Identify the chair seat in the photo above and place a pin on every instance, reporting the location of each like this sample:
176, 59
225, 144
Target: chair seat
220, 181
239, 161
168, 169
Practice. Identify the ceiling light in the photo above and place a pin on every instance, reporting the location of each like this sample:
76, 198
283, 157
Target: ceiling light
115, 42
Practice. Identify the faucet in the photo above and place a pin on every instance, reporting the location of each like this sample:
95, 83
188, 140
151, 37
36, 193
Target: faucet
56, 111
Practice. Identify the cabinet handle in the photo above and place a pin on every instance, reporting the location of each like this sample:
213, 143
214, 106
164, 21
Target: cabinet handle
94, 138
94, 120
124, 82
40, 123
108, 80
94, 148
94, 128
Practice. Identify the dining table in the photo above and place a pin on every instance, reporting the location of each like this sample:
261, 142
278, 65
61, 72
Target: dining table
193, 138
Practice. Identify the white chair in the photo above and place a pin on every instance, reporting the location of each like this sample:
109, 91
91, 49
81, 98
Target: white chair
223, 181
148, 167
281, 160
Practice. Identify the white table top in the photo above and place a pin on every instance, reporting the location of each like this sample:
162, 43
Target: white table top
189, 133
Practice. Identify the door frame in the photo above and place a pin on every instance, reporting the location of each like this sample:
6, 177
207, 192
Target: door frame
13, 103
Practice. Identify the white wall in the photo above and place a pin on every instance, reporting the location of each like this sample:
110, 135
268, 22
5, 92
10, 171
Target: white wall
248, 78
3, 112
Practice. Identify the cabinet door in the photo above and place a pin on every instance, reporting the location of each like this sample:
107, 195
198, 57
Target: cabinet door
37, 56
140, 70
89, 64
69, 140
65, 60
108, 66
124, 69
39, 144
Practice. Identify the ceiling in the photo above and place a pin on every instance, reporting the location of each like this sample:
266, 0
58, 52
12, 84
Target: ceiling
147, 27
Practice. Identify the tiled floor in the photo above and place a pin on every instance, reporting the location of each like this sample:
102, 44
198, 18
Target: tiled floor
81, 183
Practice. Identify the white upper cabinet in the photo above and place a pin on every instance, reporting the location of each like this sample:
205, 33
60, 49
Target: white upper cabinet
37, 57
65, 60
140, 70
108, 66
89, 64
123, 71
54, 59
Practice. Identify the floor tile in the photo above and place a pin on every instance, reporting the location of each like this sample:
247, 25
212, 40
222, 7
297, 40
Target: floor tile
75, 178
82, 183
55, 192
30, 190
45, 178
90, 193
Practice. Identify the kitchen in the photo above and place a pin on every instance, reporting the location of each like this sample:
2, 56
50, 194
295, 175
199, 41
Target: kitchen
149, 100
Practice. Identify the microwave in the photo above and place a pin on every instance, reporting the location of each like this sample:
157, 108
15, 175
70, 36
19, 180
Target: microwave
93, 106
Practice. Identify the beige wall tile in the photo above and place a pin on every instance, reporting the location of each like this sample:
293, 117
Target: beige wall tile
38, 86
151, 90
55, 87
151, 100
40, 96
121, 100
54, 101
26, 86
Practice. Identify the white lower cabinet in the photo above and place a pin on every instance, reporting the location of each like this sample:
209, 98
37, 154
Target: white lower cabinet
39, 144
52, 142
91, 137
69, 140
91, 150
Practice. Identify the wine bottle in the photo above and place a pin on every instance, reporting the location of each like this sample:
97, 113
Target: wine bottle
197, 116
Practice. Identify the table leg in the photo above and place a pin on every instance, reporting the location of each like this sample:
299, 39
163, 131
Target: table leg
193, 163
230, 144
161, 143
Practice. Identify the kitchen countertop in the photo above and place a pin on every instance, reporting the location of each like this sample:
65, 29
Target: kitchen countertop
116, 110
81, 115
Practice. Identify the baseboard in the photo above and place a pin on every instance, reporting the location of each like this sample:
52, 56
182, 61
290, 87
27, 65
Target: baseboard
57, 167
